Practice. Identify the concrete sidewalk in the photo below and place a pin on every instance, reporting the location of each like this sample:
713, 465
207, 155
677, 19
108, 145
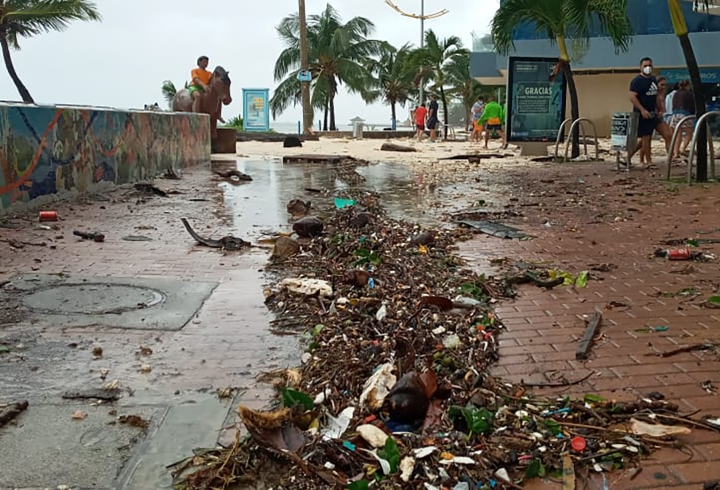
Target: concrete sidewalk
225, 343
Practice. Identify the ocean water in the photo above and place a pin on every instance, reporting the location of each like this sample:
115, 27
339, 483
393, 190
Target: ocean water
292, 127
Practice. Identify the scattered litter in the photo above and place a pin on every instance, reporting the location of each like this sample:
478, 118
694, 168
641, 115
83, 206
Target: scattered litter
78, 415
495, 229
134, 421
225, 243
657, 430
137, 238
93, 394
94, 236
308, 287
11, 411
47, 216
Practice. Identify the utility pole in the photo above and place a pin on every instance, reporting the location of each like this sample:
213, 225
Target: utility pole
422, 18
304, 67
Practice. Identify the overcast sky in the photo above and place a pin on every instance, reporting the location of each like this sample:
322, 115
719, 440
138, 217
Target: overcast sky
123, 61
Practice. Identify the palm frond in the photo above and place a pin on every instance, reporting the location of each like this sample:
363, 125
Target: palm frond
546, 15
32, 17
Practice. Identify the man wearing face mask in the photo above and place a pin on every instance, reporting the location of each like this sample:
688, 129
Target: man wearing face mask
643, 95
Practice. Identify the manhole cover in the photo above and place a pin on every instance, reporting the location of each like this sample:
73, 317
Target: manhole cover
93, 298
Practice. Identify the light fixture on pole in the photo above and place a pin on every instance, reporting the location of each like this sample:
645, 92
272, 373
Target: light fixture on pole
422, 18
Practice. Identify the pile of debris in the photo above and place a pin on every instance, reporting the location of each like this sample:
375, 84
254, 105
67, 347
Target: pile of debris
394, 389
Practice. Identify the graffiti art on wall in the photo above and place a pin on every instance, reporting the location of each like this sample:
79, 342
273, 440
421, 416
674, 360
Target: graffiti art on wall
48, 150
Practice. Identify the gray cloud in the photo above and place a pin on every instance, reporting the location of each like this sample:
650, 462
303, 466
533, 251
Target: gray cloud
123, 61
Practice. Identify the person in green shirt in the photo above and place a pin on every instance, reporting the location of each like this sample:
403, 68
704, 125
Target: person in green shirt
493, 118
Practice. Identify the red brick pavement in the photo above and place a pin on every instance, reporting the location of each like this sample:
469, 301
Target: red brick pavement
617, 219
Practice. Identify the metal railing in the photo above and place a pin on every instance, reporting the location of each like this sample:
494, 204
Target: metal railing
702, 124
671, 149
578, 122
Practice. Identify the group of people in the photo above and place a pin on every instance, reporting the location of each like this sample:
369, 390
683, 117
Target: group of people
489, 117
661, 110
427, 117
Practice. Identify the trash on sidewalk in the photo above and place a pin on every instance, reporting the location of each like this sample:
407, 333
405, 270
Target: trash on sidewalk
150, 189
229, 242
495, 229
308, 287
94, 236
233, 175
47, 216
308, 227
284, 248
591, 330
298, 207
9, 412
134, 421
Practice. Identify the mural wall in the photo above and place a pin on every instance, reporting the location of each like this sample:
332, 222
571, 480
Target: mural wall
52, 150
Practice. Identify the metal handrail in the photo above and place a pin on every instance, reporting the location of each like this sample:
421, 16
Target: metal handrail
594, 128
559, 135
673, 140
699, 124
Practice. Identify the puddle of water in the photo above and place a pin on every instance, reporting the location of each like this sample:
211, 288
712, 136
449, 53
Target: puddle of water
261, 204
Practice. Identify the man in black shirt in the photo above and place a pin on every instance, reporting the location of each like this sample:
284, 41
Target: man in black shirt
644, 95
433, 117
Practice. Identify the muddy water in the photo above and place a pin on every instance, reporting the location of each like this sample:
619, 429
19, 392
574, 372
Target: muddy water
259, 205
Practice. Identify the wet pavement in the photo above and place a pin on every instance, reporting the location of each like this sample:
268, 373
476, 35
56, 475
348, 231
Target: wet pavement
580, 214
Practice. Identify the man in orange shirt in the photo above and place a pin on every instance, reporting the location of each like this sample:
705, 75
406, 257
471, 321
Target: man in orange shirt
420, 114
200, 80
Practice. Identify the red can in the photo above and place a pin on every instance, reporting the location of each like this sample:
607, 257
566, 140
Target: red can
679, 254
48, 216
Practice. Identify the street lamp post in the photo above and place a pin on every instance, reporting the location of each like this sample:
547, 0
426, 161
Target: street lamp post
304, 66
422, 18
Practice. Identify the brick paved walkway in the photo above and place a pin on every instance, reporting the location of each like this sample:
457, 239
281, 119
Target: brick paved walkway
601, 217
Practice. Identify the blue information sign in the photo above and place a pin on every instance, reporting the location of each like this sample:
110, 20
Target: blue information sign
256, 109
677, 75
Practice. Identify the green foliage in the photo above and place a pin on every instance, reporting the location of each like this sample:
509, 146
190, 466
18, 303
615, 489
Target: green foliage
235, 122
359, 485
478, 420
337, 52
388, 79
367, 257
391, 454
562, 19
28, 18
291, 398
536, 469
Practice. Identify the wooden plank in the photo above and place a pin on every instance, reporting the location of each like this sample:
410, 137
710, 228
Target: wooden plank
568, 481
591, 331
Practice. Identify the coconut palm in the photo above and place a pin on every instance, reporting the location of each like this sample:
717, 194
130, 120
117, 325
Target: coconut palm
337, 53
431, 62
388, 80
681, 31
462, 86
27, 18
560, 20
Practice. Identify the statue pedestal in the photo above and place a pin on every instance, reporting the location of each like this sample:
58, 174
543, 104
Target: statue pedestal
226, 141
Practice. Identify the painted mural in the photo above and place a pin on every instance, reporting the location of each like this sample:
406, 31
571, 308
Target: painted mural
49, 150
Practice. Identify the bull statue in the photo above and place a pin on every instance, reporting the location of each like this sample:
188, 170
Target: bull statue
209, 101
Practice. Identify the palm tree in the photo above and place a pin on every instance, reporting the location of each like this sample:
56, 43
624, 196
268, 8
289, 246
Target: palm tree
560, 20
464, 87
337, 53
431, 62
681, 31
27, 18
169, 90
388, 79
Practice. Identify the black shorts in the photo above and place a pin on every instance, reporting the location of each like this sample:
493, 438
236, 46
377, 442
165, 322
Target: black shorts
432, 123
646, 127
494, 127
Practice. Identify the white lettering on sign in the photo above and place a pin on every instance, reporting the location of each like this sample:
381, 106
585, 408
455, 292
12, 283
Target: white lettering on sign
538, 90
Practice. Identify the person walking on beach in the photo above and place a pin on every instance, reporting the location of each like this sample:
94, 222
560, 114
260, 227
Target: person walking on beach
433, 117
644, 98
492, 118
420, 114
477, 110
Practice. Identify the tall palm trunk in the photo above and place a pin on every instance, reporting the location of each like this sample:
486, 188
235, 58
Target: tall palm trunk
445, 111
392, 111
572, 89
24, 93
333, 91
325, 114
681, 31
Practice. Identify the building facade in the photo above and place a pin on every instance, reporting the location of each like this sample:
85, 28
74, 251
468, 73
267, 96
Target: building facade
602, 74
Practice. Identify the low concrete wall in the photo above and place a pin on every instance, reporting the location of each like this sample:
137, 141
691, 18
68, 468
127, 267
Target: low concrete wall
368, 135
48, 153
